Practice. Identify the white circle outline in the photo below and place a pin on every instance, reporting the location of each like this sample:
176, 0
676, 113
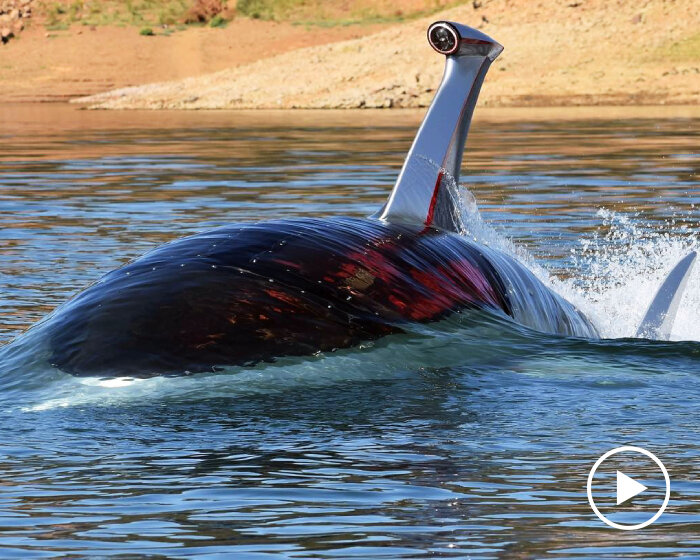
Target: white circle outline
615, 451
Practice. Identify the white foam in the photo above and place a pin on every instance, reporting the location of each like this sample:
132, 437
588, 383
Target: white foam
622, 269
616, 273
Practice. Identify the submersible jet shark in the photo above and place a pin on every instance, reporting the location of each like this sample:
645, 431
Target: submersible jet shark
257, 292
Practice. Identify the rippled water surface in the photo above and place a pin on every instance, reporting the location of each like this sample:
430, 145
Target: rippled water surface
462, 441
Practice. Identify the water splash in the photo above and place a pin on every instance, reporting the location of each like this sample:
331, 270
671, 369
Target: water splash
472, 225
617, 271
624, 264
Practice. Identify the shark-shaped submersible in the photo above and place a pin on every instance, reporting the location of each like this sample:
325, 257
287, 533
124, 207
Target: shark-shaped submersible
256, 292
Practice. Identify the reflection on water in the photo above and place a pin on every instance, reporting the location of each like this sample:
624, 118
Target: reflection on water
478, 450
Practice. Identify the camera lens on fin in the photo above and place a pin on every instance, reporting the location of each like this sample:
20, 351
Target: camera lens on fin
443, 38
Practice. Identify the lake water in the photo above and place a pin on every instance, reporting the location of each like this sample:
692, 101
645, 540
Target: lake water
445, 445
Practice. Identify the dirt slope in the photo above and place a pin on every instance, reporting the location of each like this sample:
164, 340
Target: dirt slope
560, 52
56, 65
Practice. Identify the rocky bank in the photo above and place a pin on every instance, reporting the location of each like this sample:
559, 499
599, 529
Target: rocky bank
587, 52
13, 17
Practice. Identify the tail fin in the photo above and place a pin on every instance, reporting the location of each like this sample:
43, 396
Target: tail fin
658, 321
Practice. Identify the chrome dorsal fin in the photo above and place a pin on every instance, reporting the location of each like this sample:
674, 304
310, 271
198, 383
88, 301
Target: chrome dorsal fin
658, 321
437, 149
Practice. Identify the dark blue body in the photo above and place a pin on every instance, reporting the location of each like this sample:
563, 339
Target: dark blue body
244, 294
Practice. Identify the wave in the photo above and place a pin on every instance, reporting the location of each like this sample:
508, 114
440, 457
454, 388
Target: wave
619, 269
469, 342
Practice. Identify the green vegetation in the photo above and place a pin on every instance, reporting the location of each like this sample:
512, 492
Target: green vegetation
218, 21
328, 13
262, 9
146, 31
61, 15
683, 50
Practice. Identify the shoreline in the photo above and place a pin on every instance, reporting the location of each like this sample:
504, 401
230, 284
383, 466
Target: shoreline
563, 55
24, 119
563, 59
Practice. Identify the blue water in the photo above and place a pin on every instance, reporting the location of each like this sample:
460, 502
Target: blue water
470, 438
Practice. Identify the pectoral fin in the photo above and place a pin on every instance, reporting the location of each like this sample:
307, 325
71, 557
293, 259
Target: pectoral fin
658, 321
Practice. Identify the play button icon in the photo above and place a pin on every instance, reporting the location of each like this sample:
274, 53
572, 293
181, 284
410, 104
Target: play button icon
627, 488
642, 463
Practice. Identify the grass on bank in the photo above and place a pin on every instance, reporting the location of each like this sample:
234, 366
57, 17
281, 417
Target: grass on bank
61, 14
329, 13
686, 49
137, 13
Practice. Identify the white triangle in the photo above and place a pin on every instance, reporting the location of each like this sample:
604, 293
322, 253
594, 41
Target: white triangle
627, 488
